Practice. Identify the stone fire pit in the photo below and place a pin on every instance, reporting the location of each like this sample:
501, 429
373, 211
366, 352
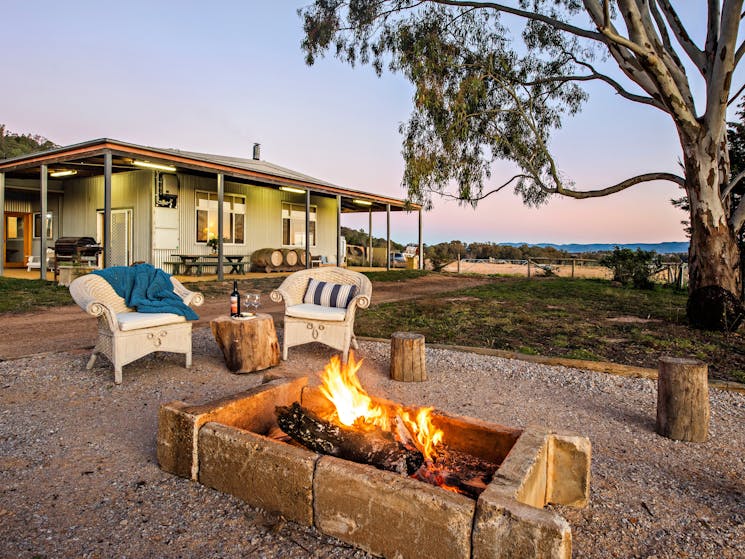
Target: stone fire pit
223, 445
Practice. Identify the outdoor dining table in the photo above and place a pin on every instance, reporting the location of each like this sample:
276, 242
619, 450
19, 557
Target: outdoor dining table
194, 261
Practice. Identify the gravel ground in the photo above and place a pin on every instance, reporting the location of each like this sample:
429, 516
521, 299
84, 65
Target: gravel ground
78, 475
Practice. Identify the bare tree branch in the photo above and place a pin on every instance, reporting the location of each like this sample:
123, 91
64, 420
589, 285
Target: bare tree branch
739, 52
664, 35
649, 28
553, 22
713, 17
626, 61
737, 218
684, 40
718, 84
732, 184
623, 185
484, 195
595, 75
736, 95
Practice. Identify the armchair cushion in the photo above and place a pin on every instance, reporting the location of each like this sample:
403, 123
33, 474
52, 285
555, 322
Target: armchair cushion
137, 320
329, 294
316, 312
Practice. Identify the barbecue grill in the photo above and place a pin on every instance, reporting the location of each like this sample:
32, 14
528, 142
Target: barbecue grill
76, 250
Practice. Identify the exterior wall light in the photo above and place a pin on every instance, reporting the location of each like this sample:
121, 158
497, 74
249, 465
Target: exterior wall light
62, 173
291, 189
158, 166
362, 202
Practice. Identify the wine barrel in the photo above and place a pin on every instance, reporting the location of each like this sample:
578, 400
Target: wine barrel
300, 256
267, 257
289, 256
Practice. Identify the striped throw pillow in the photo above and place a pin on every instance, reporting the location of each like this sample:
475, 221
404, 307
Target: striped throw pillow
329, 294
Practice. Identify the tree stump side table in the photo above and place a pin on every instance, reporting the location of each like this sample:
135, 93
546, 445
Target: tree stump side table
248, 344
407, 357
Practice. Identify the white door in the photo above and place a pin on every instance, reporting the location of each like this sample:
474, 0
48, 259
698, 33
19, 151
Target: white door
121, 236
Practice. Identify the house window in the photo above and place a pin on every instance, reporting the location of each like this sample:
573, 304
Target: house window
234, 218
37, 225
293, 225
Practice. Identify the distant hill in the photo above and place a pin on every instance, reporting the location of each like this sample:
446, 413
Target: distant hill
662, 248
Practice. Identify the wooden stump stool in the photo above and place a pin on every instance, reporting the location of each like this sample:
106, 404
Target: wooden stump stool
683, 399
407, 357
248, 345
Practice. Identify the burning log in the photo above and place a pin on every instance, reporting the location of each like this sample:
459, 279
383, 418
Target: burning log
375, 447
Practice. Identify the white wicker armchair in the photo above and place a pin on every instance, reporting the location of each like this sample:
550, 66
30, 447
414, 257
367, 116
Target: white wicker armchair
305, 323
124, 334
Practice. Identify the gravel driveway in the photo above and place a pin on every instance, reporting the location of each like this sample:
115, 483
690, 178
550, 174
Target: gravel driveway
78, 475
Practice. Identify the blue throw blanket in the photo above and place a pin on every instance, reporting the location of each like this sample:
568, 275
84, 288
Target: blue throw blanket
147, 289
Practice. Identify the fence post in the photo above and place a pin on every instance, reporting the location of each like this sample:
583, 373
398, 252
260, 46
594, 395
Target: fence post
573, 268
528, 268
459, 262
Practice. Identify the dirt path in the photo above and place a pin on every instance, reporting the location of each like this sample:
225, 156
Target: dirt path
64, 328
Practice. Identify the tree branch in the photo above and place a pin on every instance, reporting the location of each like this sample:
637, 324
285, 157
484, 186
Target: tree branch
732, 184
618, 87
623, 185
684, 40
553, 22
484, 195
739, 52
737, 218
719, 82
736, 95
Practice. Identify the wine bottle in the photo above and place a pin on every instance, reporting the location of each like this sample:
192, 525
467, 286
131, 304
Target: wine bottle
235, 301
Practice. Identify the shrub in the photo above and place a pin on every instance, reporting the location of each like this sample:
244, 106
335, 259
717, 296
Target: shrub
632, 267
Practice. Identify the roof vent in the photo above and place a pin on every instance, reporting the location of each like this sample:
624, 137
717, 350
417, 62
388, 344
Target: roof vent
257, 151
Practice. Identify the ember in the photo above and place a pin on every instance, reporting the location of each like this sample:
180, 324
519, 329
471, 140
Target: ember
389, 437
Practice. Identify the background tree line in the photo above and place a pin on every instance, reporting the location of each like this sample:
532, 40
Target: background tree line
13, 144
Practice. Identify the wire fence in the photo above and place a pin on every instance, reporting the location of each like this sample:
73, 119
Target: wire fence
670, 273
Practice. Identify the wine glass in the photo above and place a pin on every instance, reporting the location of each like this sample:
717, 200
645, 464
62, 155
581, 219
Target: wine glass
252, 301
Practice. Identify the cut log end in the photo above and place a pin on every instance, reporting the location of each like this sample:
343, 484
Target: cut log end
683, 399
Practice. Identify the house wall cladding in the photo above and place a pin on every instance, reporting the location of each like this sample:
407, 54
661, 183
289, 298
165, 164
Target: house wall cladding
263, 218
84, 197
27, 201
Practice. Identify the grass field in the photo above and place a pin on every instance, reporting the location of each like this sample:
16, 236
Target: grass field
579, 319
20, 295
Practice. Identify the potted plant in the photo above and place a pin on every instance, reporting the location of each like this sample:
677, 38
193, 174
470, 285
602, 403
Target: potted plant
212, 243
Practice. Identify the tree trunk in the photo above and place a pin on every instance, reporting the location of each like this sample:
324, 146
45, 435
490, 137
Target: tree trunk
713, 257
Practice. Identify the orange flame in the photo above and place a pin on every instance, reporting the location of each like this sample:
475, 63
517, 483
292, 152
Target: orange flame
426, 434
354, 406
342, 388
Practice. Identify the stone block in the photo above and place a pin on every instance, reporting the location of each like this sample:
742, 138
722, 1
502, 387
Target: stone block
252, 410
506, 529
264, 473
568, 473
175, 439
390, 515
523, 474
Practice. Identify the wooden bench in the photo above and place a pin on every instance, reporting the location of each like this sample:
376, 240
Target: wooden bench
196, 268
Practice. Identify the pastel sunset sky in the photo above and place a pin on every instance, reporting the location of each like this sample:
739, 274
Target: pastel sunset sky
218, 76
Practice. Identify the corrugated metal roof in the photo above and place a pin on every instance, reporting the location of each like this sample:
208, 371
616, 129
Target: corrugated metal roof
254, 168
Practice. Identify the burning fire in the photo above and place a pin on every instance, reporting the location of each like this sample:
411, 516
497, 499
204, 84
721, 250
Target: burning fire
354, 407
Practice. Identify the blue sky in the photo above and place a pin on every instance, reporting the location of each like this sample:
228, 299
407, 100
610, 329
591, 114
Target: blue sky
216, 77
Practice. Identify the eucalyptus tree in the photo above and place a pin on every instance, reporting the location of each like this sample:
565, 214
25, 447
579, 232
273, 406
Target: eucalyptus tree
494, 80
